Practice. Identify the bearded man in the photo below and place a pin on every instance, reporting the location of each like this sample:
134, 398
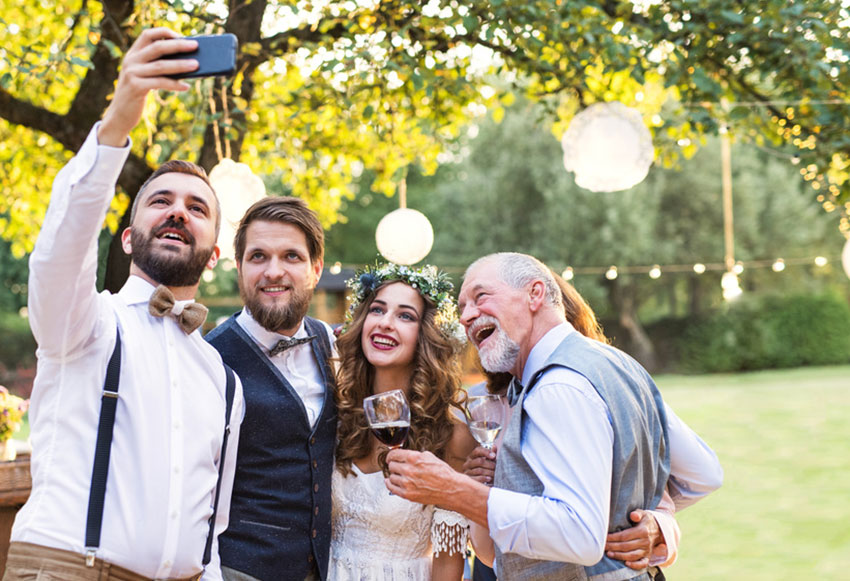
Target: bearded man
154, 501
281, 504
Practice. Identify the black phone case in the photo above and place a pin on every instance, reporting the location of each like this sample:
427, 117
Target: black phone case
216, 56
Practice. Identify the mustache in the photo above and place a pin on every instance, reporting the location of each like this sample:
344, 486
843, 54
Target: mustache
172, 224
483, 321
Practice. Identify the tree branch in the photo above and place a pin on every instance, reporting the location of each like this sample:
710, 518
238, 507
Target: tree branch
92, 96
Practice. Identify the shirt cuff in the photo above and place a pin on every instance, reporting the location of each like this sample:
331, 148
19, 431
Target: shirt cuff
506, 516
664, 556
112, 159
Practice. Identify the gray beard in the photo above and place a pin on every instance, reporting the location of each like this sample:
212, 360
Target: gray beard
501, 353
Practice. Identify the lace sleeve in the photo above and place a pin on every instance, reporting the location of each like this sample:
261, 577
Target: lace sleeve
449, 532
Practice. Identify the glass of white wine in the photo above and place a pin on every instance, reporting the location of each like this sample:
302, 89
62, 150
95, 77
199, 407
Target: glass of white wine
485, 415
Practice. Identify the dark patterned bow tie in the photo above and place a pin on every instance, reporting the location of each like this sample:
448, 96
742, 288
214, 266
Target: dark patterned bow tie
514, 391
189, 316
285, 344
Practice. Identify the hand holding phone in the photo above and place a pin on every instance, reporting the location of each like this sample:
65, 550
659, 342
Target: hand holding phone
216, 56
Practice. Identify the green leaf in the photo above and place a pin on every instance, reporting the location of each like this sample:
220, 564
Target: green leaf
80, 62
732, 16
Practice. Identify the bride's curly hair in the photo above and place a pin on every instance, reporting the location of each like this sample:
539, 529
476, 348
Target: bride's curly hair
435, 387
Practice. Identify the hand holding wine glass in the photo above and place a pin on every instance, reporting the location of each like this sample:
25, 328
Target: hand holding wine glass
388, 415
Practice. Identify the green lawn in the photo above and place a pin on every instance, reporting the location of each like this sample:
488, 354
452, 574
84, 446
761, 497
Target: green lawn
784, 442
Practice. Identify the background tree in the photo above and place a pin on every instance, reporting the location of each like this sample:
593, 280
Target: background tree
508, 191
327, 89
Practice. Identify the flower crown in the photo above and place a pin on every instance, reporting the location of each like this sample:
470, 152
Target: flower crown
430, 283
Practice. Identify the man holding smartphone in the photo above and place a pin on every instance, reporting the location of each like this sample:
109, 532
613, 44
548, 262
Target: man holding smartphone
167, 468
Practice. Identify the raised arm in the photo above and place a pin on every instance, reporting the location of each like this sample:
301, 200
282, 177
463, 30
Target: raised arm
63, 265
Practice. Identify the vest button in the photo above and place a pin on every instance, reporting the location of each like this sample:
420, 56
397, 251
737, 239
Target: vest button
310, 558
316, 510
315, 488
315, 464
314, 533
313, 441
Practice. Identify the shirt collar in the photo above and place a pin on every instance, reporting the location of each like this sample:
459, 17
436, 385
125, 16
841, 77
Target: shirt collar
265, 338
137, 290
544, 348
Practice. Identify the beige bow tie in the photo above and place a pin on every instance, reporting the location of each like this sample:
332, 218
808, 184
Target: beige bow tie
189, 316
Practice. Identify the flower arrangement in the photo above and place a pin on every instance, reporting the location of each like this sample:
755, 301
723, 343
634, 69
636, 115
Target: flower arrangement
12, 410
429, 281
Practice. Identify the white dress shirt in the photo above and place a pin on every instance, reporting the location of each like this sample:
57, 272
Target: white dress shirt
297, 364
170, 415
567, 441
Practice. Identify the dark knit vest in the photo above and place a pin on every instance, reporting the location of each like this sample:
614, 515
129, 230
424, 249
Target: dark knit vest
641, 458
280, 511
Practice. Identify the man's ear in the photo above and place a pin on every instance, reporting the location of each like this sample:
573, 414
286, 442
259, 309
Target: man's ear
536, 295
126, 241
214, 257
318, 266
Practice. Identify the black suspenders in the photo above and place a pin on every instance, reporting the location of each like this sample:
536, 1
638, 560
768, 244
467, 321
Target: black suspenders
100, 469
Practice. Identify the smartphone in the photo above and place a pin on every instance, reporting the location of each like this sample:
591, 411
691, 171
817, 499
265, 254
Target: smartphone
216, 56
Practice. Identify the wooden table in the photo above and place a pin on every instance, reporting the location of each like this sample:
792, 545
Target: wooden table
15, 484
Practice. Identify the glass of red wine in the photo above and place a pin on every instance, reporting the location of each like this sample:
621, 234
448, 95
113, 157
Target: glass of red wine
388, 415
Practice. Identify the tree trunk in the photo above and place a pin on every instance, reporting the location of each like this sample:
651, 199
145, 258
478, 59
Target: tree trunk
638, 343
244, 20
696, 294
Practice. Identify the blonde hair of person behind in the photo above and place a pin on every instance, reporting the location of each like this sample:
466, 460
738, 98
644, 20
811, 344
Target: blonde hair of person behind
435, 387
578, 312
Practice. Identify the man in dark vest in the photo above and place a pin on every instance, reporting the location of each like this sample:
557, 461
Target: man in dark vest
585, 446
280, 511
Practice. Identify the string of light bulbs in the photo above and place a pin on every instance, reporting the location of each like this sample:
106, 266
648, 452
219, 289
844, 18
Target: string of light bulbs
654, 271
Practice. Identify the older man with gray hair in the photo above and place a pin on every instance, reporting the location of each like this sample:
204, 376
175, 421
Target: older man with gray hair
585, 446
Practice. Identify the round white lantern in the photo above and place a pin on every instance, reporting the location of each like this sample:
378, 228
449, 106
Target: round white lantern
237, 188
608, 147
404, 236
845, 258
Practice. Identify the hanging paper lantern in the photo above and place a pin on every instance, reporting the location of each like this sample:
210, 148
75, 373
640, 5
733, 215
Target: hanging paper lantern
608, 147
237, 188
404, 236
845, 258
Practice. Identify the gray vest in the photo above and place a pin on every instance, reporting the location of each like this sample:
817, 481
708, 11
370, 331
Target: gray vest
641, 456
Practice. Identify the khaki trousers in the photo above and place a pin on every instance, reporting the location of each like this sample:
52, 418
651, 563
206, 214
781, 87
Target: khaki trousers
28, 562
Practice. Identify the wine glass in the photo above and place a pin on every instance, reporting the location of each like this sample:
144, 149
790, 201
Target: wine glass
485, 415
389, 417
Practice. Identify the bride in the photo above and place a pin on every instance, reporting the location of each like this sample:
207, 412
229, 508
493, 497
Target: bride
403, 334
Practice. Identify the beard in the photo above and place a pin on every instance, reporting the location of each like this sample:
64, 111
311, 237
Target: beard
165, 266
501, 352
277, 317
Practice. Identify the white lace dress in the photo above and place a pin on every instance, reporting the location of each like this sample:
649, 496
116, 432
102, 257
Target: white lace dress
381, 537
